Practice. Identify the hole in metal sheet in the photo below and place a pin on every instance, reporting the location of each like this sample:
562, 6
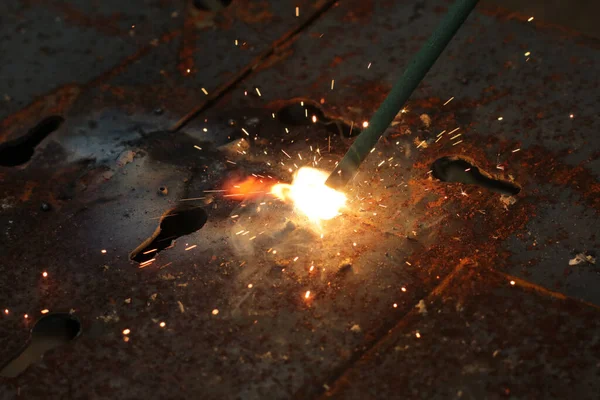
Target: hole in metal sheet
211, 5
179, 221
458, 169
19, 151
50, 331
307, 112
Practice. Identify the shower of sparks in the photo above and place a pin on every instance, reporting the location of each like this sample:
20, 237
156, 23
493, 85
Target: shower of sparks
332, 83
530, 19
205, 91
449, 100
310, 195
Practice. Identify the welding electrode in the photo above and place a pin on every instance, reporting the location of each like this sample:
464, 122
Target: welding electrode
391, 106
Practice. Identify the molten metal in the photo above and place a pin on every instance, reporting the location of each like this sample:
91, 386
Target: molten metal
310, 195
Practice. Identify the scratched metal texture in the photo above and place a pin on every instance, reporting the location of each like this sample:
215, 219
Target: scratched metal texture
401, 230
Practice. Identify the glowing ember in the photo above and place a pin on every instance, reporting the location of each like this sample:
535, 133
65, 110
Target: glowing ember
310, 195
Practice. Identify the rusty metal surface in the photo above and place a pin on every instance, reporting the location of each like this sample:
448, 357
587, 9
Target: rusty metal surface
481, 337
402, 234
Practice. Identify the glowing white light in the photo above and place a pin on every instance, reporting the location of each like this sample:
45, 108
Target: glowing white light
310, 195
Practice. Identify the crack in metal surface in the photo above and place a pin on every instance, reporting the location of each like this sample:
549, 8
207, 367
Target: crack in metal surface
225, 88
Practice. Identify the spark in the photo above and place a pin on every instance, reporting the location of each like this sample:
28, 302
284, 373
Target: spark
288, 156
6, 311
438, 139
453, 130
403, 289
407, 263
191, 247
258, 91
26, 316
252, 238
197, 147
297, 11
418, 335
273, 114
162, 324
236, 42
314, 119
332, 83
449, 100
188, 70
205, 91
250, 286
215, 311
307, 294
530, 19
571, 116
230, 162
455, 136
214, 191
287, 130
439, 134
310, 195
454, 144
126, 331
299, 156
500, 118
45, 274
515, 150
381, 163
395, 305
365, 124
103, 251
312, 267
369, 66
527, 54
421, 144
245, 131
240, 232
296, 258
146, 263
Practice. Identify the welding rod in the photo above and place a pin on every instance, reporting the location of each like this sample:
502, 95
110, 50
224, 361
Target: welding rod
391, 106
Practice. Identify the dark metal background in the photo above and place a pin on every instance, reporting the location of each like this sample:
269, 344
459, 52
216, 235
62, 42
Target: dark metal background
454, 247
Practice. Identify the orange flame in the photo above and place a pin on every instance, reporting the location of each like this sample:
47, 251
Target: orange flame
241, 188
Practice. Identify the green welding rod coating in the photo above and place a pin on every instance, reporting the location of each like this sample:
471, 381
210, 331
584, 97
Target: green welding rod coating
391, 106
